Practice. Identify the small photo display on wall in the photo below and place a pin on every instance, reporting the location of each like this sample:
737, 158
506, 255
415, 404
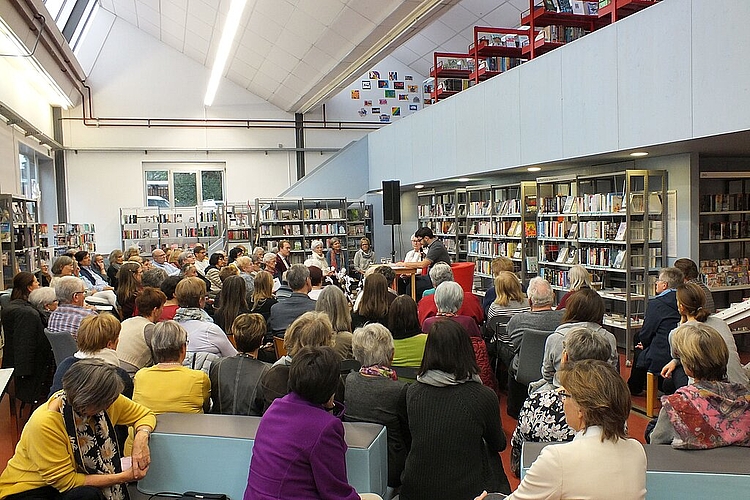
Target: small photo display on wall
362, 112
374, 75
382, 84
366, 85
403, 97
368, 103
413, 89
375, 111
383, 101
409, 78
390, 94
413, 107
396, 111
355, 94
385, 118
393, 75
398, 85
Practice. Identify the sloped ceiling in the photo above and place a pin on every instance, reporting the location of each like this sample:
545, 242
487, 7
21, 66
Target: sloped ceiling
296, 54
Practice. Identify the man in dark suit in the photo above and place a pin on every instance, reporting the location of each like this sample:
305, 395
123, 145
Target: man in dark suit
661, 318
287, 310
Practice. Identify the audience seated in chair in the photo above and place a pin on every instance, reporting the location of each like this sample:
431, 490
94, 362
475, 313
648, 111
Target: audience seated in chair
376, 299
690, 275
71, 310
710, 412
289, 309
333, 302
235, 381
579, 278
498, 264
204, 335
542, 418
408, 339
44, 299
374, 394
134, 346
440, 273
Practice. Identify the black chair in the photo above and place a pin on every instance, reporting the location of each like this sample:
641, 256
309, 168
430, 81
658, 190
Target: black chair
499, 347
63, 344
350, 365
526, 368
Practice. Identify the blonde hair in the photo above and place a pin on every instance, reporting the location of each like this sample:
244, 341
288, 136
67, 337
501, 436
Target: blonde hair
311, 329
190, 291
96, 331
701, 350
508, 288
501, 264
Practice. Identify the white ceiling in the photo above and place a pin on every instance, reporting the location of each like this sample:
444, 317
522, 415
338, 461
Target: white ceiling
296, 53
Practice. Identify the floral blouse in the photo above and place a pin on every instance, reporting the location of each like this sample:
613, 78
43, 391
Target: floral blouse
541, 419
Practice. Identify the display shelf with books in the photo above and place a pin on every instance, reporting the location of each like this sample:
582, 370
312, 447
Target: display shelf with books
281, 219
515, 226
139, 227
358, 226
240, 224
557, 231
324, 219
557, 22
724, 235
450, 73
209, 224
496, 50
445, 213
19, 236
74, 237
149, 228
480, 239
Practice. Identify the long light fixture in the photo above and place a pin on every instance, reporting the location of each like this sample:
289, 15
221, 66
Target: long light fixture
422, 11
234, 16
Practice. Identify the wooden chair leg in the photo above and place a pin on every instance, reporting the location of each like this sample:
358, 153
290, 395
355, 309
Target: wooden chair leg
652, 389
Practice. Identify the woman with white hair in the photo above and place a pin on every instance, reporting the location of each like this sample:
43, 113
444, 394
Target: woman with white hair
374, 394
579, 278
448, 297
318, 258
44, 299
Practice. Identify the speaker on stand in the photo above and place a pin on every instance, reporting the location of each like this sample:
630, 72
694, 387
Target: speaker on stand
392, 210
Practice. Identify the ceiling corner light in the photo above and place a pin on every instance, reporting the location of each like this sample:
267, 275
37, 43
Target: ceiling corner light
638, 154
234, 16
534, 169
463, 179
418, 186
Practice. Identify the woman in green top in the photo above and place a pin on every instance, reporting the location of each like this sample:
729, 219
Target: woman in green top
408, 339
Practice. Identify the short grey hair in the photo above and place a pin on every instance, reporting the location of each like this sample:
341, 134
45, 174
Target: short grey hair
579, 277
373, 345
168, 340
440, 273
42, 296
242, 262
60, 262
66, 287
268, 257
315, 244
672, 276
154, 277
448, 297
92, 383
583, 343
540, 292
297, 276
185, 256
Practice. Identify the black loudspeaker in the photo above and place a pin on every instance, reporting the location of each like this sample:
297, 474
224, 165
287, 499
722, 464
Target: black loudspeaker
391, 202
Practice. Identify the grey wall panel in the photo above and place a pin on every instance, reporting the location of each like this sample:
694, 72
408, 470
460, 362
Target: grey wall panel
501, 131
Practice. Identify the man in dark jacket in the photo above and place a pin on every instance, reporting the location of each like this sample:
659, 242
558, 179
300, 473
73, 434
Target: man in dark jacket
661, 318
287, 310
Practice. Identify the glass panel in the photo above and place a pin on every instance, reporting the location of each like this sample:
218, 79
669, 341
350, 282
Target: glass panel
157, 188
212, 186
29, 179
54, 7
185, 189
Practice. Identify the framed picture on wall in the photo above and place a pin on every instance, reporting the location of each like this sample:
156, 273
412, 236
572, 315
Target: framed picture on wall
408, 78
365, 84
396, 111
375, 111
382, 84
374, 75
383, 101
355, 94
398, 85
390, 94
403, 97
413, 89
413, 107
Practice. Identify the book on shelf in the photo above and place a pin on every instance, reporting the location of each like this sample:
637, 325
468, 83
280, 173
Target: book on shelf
570, 205
517, 252
572, 256
573, 232
621, 231
532, 264
562, 255
530, 229
654, 203
619, 261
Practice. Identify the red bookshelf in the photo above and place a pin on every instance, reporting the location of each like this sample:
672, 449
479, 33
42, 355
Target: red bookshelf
492, 43
448, 68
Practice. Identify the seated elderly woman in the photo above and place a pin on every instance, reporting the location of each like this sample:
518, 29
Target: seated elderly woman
297, 435
585, 309
579, 278
542, 419
133, 347
375, 394
317, 258
601, 459
448, 297
63, 265
454, 422
204, 335
313, 328
49, 460
168, 386
710, 412
235, 382
440, 273
44, 299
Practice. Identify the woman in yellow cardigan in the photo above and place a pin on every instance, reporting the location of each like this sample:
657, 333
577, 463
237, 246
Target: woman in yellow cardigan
68, 447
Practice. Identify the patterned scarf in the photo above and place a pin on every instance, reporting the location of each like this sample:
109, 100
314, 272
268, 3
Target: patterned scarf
188, 313
94, 445
709, 414
379, 371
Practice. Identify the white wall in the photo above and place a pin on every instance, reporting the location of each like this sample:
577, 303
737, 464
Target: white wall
648, 79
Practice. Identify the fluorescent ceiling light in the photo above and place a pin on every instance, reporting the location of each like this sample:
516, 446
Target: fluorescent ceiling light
639, 153
234, 16
463, 179
418, 186
534, 169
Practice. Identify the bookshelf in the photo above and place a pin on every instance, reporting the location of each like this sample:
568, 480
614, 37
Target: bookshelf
514, 226
154, 227
612, 224
555, 24
19, 236
445, 213
241, 224
724, 217
496, 50
450, 73
358, 226
480, 237
323, 220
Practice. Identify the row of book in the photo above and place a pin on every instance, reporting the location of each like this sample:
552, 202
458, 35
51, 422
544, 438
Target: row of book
271, 214
509, 207
324, 229
69, 228
724, 202
504, 40
559, 33
165, 232
480, 207
725, 272
578, 7
500, 64
446, 210
322, 213
600, 230
239, 234
725, 230
280, 230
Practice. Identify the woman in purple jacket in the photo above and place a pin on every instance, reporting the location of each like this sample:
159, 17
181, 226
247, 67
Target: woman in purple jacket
299, 449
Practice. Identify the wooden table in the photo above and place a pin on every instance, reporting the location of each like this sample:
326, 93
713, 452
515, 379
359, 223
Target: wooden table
409, 271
